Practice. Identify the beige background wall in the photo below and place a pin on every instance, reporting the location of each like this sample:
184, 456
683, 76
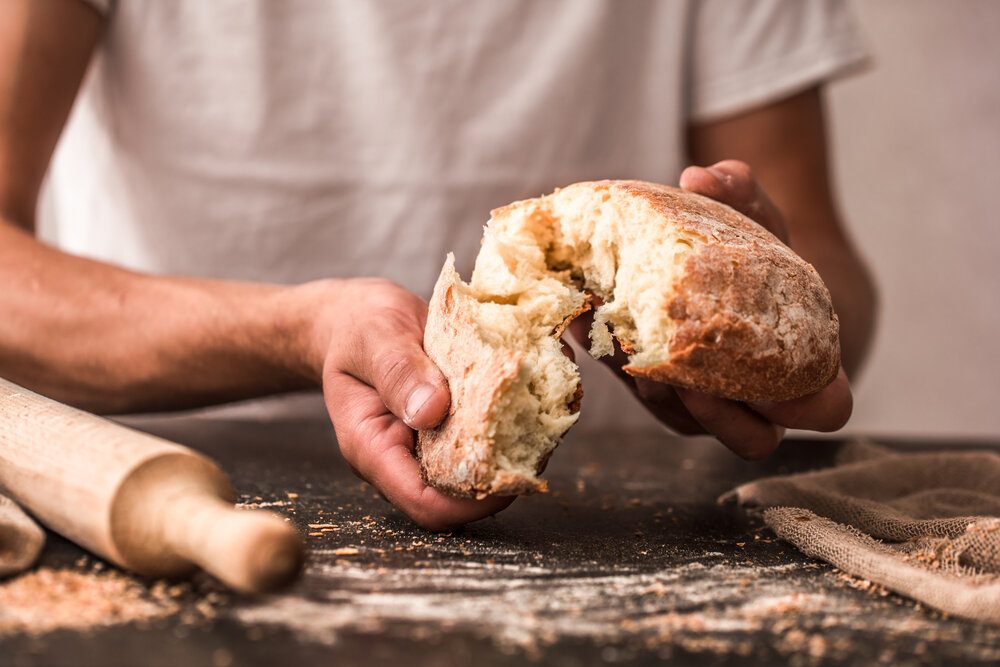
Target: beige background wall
917, 151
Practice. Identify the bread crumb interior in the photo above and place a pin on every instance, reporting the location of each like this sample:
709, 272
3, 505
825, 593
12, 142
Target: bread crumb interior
538, 260
621, 250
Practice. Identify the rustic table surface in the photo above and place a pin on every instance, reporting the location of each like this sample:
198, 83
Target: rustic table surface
628, 560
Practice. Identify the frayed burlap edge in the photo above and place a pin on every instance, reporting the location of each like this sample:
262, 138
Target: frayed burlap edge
921, 523
947, 589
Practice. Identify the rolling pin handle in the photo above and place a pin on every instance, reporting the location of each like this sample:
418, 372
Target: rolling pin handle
251, 551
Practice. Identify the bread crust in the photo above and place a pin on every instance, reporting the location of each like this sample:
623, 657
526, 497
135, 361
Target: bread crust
753, 320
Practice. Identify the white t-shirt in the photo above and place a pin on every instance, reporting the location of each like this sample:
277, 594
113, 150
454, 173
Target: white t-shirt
292, 140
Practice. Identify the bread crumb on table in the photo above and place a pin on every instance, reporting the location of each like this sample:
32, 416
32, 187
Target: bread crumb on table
46, 599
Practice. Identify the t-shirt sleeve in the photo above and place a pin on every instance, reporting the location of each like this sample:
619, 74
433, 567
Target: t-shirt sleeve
747, 53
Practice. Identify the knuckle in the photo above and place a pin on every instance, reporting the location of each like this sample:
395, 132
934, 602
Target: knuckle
740, 169
392, 295
382, 295
396, 318
393, 372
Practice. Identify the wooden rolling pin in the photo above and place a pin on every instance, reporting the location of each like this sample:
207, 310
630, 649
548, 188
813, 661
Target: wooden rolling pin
146, 504
21, 540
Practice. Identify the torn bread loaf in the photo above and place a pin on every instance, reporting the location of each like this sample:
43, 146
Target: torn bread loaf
697, 294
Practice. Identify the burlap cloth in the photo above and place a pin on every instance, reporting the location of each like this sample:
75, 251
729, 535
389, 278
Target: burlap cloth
923, 524
21, 539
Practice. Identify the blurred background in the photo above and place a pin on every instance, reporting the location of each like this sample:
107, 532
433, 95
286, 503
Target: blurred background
916, 142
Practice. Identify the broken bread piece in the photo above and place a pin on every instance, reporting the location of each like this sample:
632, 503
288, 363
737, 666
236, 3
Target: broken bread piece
697, 294
513, 391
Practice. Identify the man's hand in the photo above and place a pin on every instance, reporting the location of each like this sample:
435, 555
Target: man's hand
379, 385
752, 431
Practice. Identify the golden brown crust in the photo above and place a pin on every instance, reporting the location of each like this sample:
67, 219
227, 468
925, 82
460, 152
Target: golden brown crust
753, 321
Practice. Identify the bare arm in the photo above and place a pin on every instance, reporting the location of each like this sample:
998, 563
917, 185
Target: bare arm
85, 332
112, 340
785, 144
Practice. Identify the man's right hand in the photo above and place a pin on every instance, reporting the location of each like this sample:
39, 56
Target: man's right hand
379, 385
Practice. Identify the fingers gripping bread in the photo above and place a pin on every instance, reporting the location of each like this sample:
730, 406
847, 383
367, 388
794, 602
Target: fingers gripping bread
697, 294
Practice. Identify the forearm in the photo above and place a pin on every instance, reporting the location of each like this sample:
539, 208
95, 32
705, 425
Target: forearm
111, 340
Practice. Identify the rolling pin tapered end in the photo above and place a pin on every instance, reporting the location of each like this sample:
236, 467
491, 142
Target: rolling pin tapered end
250, 551
274, 555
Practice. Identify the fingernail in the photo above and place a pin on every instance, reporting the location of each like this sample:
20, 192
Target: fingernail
418, 398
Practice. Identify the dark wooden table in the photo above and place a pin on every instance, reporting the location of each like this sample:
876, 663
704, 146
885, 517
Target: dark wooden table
628, 560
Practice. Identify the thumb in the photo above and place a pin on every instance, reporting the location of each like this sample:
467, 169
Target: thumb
406, 379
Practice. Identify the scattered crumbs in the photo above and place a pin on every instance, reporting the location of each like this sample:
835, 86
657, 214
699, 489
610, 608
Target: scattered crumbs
345, 551
46, 599
293, 496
